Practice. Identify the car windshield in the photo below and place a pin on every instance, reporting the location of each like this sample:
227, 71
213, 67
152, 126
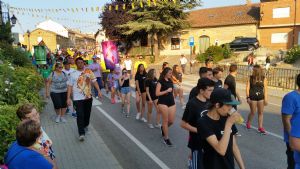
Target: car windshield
237, 41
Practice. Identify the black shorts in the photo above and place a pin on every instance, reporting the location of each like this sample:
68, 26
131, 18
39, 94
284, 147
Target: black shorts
59, 100
256, 96
166, 101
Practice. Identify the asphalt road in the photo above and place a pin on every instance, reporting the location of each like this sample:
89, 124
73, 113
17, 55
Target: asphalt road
138, 147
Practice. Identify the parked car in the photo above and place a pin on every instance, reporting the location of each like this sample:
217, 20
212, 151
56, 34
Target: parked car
244, 44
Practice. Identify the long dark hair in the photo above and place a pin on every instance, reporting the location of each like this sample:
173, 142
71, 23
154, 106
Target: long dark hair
138, 69
164, 73
150, 74
257, 74
175, 73
164, 65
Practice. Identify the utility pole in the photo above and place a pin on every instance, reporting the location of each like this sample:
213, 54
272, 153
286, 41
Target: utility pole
1, 17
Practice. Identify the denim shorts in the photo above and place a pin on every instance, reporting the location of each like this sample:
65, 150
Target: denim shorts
125, 90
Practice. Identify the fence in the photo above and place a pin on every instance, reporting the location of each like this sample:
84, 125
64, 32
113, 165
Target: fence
277, 77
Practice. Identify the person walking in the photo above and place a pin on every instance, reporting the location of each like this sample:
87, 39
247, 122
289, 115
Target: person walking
209, 63
96, 68
125, 91
268, 62
57, 87
194, 108
80, 85
230, 83
202, 74
68, 70
128, 65
290, 110
177, 80
166, 103
164, 65
183, 62
151, 98
217, 131
140, 78
217, 76
257, 96
250, 61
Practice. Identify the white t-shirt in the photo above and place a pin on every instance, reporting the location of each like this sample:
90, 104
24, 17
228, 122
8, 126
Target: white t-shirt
128, 64
81, 81
183, 61
68, 72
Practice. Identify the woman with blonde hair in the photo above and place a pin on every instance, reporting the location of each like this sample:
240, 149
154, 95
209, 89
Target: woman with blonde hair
177, 80
256, 92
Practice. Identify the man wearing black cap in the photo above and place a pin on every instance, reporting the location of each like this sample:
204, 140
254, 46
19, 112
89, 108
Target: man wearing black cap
193, 110
217, 130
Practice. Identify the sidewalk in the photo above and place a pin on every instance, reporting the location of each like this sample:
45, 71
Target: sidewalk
192, 79
72, 154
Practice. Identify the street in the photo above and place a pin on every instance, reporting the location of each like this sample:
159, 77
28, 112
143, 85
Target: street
136, 146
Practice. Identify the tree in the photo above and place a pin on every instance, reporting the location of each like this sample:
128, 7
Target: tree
5, 33
162, 19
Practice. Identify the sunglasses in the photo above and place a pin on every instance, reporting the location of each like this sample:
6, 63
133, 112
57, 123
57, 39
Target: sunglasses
60, 67
124, 72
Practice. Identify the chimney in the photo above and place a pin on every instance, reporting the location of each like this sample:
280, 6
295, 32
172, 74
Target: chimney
249, 3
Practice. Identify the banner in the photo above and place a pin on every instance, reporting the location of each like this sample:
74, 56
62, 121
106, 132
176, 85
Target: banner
110, 53
40, 55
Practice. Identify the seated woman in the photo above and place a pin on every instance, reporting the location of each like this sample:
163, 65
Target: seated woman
24, 153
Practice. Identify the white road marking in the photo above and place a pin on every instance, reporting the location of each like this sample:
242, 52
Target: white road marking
269, 133
136, 141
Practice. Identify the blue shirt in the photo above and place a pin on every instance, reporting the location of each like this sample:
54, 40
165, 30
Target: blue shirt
19, 157
291, 106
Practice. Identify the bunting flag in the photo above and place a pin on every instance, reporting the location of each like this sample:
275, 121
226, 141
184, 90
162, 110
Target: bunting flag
149, 3
141, 4
117, 7
124, 6
132, 5
109, 8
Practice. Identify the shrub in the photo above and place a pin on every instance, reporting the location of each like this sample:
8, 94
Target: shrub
227, 52
18, 85
292, 55
217, 52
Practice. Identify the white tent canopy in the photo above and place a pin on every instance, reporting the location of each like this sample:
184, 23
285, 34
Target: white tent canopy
52, 26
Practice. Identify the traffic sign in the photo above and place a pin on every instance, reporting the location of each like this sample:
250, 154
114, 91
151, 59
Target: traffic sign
191, 41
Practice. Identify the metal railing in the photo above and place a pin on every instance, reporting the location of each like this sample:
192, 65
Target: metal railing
277, 77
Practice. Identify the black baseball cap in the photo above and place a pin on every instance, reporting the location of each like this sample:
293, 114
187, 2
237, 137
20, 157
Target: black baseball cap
220, 95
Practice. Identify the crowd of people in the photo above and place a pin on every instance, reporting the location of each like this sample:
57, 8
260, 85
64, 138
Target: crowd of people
210, 113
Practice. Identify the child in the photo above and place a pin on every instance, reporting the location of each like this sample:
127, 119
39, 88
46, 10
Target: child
110, 84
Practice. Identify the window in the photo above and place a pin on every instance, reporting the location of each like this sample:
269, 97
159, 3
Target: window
279, 38
175, 43
281, 12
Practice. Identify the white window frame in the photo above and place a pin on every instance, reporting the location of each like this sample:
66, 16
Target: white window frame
279, 38
283, 12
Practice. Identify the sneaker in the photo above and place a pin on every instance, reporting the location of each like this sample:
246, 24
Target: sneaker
81, 138
87, 131
144, 120
63, 119
138, 116
248, 125
113, 101
57, 119
151, 126
262, 131
97, 97
123, 110
162, 132
74, 115
127, 115
168, 142
238, 134
157, 125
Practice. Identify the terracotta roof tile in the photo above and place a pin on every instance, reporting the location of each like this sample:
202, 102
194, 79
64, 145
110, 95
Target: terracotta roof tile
225, 16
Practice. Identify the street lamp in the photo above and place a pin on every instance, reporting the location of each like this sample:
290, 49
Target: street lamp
13, 20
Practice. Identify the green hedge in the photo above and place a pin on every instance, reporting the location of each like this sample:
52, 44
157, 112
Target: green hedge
217, 52
19, 83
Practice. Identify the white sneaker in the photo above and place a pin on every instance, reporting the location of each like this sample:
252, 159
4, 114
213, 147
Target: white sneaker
138, 116
157, 126
144, 120
63, 119
81, 138
57, 119
151, 126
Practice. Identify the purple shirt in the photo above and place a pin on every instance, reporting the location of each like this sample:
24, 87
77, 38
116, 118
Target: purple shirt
94, 66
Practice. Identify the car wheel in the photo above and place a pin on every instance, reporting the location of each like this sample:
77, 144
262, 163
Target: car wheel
251, 48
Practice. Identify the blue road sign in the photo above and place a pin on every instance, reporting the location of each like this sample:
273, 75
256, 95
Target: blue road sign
191, 41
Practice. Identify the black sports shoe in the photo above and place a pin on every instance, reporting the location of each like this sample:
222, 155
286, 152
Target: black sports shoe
162, 132
168, 142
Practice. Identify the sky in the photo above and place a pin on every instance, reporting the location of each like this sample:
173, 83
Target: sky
68, 19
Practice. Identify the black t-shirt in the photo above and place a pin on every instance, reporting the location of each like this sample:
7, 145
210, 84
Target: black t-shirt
141, 79
151, 83
193, 93
126, 83
230, 82
211, 158
218, 84
165, 85
195, 108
